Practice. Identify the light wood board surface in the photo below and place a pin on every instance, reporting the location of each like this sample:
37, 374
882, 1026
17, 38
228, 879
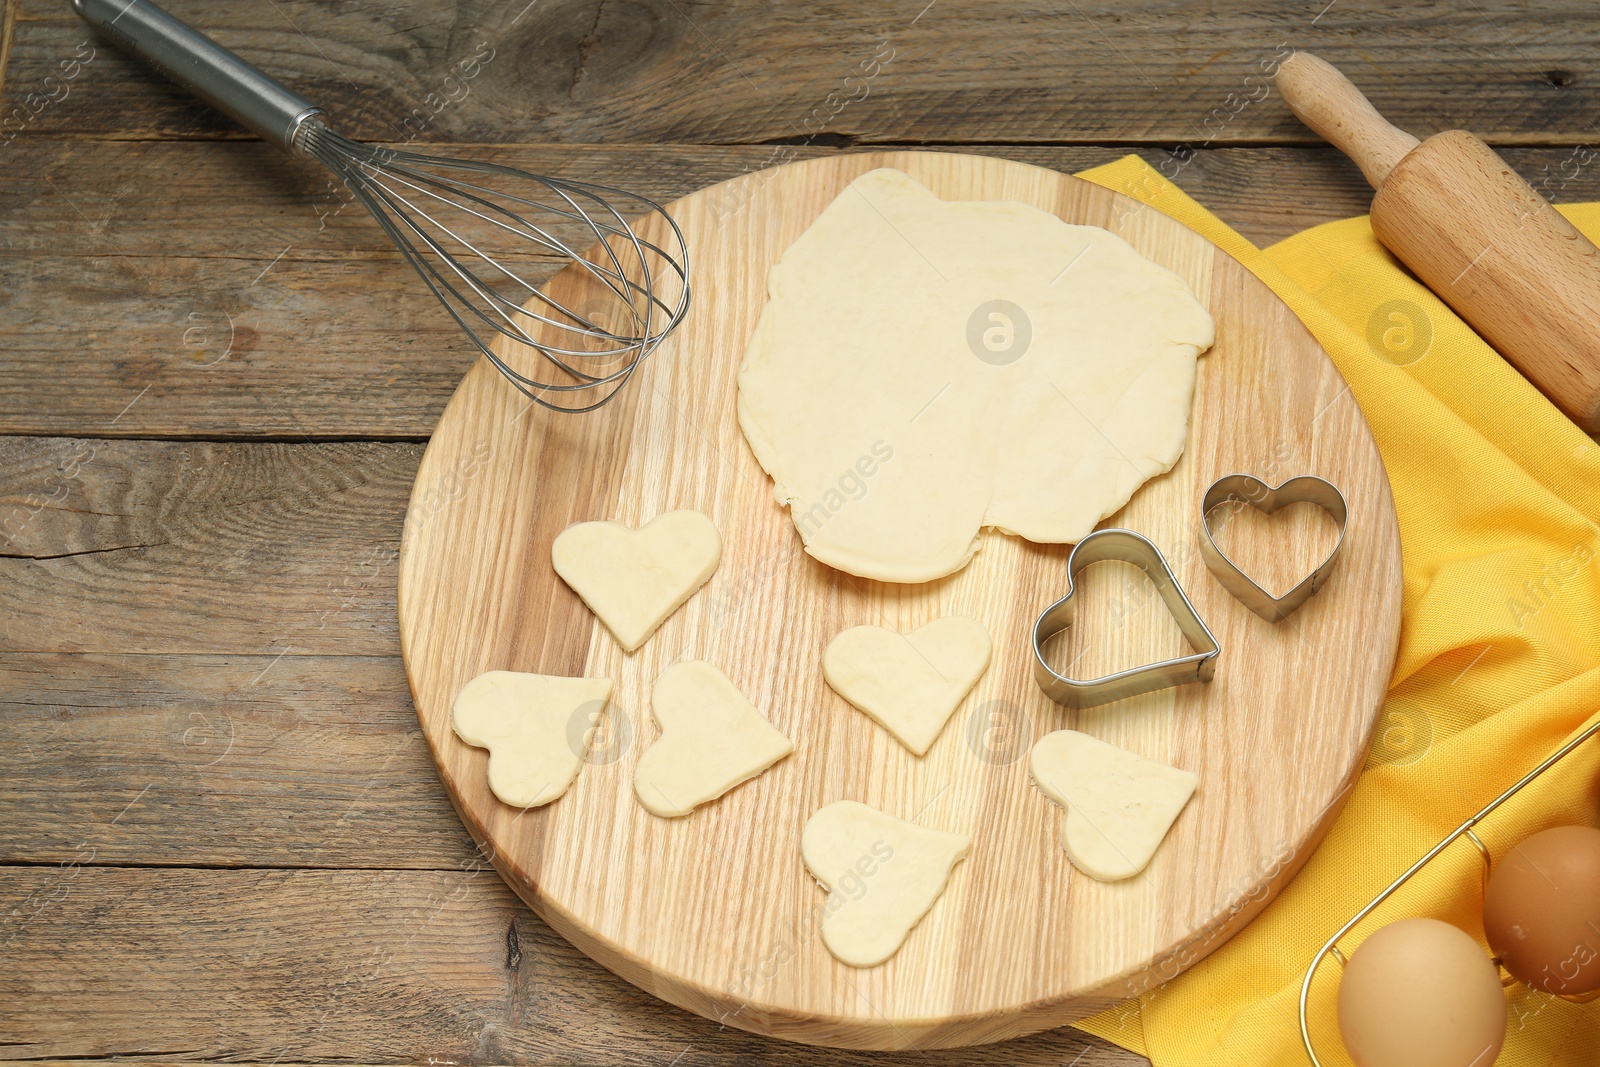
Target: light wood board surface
715, 912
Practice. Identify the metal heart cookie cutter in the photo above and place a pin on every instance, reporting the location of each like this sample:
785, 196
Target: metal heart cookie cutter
1129, 547
1248, 489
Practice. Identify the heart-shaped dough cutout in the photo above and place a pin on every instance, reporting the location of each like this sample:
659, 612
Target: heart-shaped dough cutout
1119, 804
712, 739
909, 683
882, 875
535, 726
633, 579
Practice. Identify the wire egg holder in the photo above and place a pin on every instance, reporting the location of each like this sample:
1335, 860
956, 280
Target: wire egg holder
1331, 946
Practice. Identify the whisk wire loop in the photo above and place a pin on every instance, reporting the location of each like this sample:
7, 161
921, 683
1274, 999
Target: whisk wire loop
410, 195
466, 239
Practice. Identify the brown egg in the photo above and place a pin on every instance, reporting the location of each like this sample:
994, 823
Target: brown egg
1541, 911
1420, 993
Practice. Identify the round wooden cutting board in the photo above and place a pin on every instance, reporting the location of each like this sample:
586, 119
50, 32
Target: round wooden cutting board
715, 912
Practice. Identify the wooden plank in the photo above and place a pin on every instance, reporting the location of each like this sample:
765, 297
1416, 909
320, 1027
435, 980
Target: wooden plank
218, 761
225, 288
354, 966
8, 22
1024, 70
190, 546
177, 345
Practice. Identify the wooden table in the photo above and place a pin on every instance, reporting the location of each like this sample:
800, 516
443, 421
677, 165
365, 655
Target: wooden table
220, 833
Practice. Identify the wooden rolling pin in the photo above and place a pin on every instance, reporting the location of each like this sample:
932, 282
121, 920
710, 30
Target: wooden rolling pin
1475, 233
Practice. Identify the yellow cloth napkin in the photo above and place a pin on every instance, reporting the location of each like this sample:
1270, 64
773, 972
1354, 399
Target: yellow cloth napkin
1498, 494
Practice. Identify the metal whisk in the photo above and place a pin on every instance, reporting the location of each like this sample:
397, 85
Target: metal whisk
467, 238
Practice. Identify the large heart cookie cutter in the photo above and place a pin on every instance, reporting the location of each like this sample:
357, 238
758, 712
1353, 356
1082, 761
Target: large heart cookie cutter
1131, 548
1248, 489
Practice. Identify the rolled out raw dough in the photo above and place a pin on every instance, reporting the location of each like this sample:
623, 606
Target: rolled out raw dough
909, 683
634, 579
535, 726
882, 875
712, 739
1119, 804
925, 368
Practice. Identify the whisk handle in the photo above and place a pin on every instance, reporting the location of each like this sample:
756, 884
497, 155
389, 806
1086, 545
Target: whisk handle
204, 67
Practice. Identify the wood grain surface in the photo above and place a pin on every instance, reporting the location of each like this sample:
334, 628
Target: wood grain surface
1093, 71
133, 223
354, 967
1020, 941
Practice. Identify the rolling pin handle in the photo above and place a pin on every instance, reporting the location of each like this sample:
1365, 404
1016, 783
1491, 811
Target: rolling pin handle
1326, 101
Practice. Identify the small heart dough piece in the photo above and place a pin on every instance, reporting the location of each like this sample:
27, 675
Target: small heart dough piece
535, 726
1119, 805
712, 739
909, 683
882, 875
633, 579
